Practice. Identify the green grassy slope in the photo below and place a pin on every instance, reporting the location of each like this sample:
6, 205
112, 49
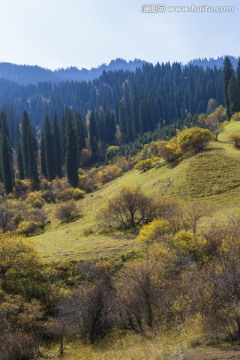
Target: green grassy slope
232, 126
212, 177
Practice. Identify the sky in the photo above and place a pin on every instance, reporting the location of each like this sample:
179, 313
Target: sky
87, 33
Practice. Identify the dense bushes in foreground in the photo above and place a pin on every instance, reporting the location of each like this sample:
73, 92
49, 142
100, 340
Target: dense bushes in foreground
180, 272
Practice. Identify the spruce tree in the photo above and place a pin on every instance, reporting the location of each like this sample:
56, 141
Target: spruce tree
20, 161
81, 141
32, 163
49, 149
43, 158
4, 129
122, 122
64, 138
233, 95
71, 151
128, 114
238, 73
29, 152
25, 135
110, 127
93, 137
57, 146
7, 165
227, 74
135, 111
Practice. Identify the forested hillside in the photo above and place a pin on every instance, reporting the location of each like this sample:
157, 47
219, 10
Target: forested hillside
119, 215
151, 97
25, 74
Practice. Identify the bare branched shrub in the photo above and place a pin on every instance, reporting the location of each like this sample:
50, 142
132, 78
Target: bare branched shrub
15, 346
129, 209
67, 211
225, 324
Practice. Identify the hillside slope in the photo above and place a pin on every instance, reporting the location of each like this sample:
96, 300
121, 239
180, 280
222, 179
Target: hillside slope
211, 177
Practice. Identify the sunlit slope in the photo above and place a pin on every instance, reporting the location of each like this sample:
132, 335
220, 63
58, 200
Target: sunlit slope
232, 126
212, 176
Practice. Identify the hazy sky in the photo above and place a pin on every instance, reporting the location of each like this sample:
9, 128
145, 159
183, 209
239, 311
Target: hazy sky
87, 33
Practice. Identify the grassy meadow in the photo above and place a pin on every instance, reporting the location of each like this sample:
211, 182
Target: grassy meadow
211, 177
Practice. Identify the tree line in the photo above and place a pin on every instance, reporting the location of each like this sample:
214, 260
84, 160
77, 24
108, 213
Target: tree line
144, 100
126, 109
55, 150
231, 87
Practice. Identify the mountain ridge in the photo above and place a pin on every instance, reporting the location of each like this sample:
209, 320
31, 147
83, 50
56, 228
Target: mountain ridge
33, 74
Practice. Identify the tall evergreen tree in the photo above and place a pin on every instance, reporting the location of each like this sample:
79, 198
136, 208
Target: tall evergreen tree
233, 95
20, 161
238, 73
26, 128
33, 163
80, 132
122, 122
57, 146
7, 165
64, 137
4, 128
110, 126
29, 152
135, 111
93, 137
227, 74
49, 149
72, 151
43, 158
129, 120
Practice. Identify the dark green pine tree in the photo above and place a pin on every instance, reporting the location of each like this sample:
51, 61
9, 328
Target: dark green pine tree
29, 152
233, 95
123, 122
238, 73
26, 126
110, 124
93, 137
63, 138
135, 111
7, 165
32, 162
81, 141
20, 161
4, 129
57, 146
43, 158
49, 149
128, 112
101, 125
71, 151
227, 74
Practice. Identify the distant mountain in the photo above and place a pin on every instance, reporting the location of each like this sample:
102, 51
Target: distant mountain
210, 63
25, 74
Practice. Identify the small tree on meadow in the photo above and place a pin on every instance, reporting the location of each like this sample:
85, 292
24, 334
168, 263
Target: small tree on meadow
129, 209
66, 211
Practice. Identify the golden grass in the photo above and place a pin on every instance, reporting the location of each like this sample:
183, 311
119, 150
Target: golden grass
161, 346
230, 127
212, 177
